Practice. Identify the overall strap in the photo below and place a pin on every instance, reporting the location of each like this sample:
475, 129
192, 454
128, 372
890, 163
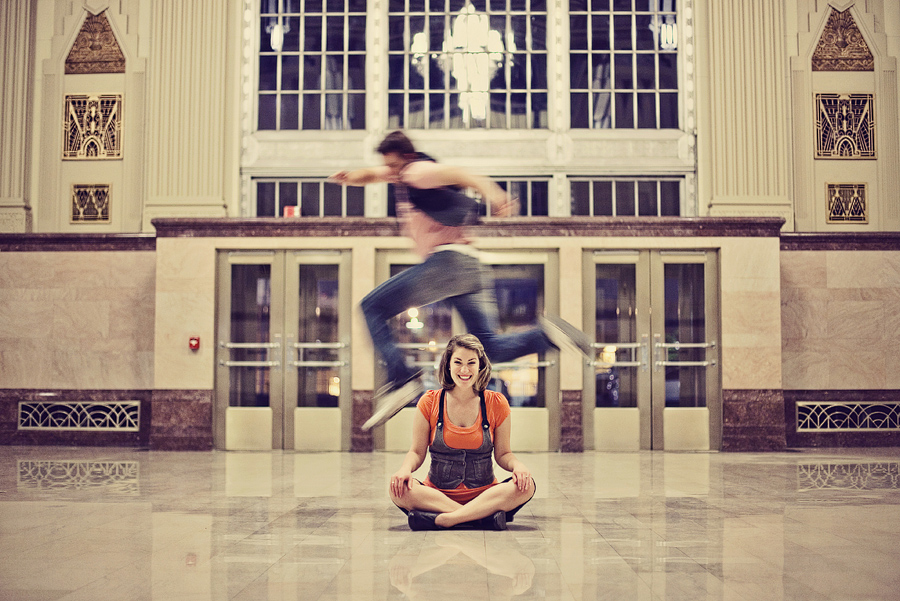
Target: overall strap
485, 424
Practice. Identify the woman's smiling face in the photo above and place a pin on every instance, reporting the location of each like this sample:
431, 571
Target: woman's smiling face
464, 367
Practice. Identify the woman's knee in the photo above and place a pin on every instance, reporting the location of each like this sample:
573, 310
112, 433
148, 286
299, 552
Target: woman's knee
406, 501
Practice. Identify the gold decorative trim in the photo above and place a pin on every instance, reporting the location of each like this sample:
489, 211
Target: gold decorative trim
90, 203
96, 49
842, 46
92, 127
845, 126
847, 203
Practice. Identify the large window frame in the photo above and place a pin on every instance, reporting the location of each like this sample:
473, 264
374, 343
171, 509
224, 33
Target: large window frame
311, 65
556, 154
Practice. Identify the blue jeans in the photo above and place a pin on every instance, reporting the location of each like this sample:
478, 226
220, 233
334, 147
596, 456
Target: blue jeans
468, 286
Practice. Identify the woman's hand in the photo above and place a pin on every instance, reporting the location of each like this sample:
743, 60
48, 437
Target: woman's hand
400, 483
521, 476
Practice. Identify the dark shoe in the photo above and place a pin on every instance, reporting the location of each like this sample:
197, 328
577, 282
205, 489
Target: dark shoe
422, 520
563, 334
391, 400
494, 522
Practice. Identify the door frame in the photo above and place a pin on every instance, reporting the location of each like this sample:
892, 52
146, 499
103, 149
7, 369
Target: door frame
280, 415
650, 414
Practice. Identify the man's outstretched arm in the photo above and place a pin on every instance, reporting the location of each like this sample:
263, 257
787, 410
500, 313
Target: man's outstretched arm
361, 177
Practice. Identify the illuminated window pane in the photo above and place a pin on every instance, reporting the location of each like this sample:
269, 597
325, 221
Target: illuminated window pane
479, 64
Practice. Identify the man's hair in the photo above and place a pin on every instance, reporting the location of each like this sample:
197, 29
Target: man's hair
396, 142
466, 341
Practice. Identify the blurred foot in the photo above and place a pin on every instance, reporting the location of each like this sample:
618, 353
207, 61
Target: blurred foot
390, 400
563, 334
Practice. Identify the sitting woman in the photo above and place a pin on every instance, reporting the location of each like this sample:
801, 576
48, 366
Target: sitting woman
462, 425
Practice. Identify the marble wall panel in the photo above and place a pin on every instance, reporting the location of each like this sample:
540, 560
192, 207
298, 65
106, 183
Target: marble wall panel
361, 441
77, 319
750, 308
840, 313
745, 366
805, 370
857, 269
861, 321
806, 269
752, 318
182, 420
803, 319
753, 420
750, 259
9, 418
185, 307
856, 367
571, 439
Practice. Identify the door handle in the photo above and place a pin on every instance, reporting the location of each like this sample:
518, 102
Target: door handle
642, 362
268, 346
660, 347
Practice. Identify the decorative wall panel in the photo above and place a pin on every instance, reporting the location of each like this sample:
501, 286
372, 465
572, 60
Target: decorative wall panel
847, 203
847, 417
842, 46
96, 49
92, 127
845, 126
75, 415
90, 203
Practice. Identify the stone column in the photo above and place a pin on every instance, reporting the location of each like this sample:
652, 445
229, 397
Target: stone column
16, 43
744, 130
189, 87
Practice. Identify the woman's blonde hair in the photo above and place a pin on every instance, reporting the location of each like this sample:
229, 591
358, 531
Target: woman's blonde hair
470, 342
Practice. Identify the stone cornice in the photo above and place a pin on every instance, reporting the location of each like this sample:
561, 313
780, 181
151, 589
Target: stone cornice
510, 227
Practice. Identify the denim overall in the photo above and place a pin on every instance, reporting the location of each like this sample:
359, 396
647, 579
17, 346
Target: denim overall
450, 467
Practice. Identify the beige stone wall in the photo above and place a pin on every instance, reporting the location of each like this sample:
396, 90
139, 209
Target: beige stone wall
749, 304
841, 316
751, 319
77, 320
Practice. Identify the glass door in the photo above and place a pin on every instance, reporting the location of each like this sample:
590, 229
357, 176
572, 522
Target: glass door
283, 351
654, 383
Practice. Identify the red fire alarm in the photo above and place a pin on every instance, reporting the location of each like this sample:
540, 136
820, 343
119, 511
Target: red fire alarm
194, 343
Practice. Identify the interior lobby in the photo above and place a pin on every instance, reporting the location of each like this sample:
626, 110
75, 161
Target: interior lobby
707, 189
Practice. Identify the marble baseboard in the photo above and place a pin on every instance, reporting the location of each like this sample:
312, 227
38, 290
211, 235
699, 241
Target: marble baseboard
571, 436
75, 242
360, 440
182, 420
840, 241
753, 420
837, 439
9, 418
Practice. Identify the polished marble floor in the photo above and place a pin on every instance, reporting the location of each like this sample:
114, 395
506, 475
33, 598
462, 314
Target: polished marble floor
111, 524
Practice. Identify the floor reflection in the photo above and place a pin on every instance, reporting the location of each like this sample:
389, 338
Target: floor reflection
848, 476
117, 477
282, 526
462, 564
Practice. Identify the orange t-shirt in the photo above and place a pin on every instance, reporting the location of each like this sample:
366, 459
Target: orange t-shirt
463, 438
